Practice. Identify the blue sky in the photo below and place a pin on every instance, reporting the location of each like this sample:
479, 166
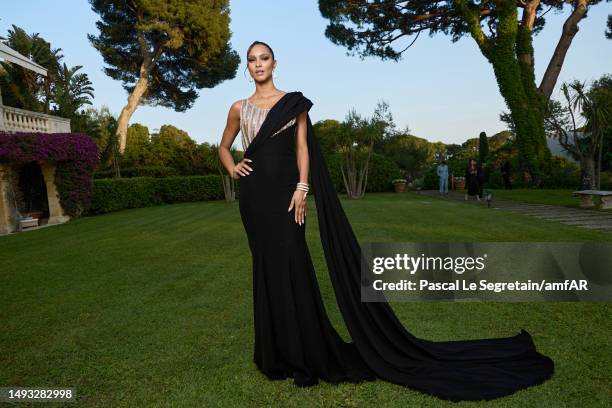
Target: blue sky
442, 91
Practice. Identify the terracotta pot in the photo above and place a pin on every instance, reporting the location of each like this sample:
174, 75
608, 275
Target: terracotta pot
399, 187
459, 183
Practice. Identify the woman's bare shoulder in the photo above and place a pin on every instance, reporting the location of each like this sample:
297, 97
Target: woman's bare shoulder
237, 105
235, 108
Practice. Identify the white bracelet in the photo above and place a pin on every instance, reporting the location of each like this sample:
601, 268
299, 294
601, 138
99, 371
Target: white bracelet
303, 187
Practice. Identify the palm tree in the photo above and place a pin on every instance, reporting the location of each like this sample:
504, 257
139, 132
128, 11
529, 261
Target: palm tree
23, 88
579, 125
71, 90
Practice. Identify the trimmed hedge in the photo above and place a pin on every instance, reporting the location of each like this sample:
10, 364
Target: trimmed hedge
121, 193
141, 171
114, 194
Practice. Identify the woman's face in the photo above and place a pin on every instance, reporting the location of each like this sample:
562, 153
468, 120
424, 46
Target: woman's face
260, 63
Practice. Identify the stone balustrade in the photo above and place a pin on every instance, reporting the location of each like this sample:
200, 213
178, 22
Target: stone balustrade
20, 120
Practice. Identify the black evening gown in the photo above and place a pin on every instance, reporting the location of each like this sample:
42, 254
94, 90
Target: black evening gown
293, 335
472, 182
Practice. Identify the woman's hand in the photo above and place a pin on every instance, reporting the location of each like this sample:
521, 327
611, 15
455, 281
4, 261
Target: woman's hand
241, 169
299, 202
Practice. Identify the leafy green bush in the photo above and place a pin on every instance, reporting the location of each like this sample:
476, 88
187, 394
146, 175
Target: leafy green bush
120, 193
496, 180
564, 174
141, 171
606, 180
430, 180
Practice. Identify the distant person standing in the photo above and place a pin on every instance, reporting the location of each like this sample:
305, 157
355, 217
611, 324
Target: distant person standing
472, 179
443, 176
506, 168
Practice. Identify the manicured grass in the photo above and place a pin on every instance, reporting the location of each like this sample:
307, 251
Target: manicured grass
561, 197
153, 307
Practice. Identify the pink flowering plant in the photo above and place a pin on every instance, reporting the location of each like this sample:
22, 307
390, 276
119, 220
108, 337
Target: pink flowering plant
75, 156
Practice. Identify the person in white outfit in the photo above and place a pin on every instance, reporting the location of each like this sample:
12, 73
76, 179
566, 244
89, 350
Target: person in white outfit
443, 175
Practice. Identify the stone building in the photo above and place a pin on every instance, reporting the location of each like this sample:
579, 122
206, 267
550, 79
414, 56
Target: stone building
28, 190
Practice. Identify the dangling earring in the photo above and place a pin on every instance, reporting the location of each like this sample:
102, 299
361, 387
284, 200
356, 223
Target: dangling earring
250, 79
274, 76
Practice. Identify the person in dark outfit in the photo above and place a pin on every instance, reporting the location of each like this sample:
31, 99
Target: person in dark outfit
472, 179
293, 335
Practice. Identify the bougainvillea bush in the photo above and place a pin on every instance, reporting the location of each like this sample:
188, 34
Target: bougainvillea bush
74, 154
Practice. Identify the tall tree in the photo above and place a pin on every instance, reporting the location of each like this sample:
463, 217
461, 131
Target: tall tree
413, 154
106, 137
483, 147
601, 91
163, 50
328, 132
503, 35
137, 149
356, 143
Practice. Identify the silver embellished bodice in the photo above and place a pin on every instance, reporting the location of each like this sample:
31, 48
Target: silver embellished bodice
251, 119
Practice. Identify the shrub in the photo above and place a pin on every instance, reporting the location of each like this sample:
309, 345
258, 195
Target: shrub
75, 156
120, 193
140, 171
430, 180
606, 180
564, 174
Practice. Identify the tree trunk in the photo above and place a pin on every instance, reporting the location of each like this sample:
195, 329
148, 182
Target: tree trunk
587, 167
129, 109
520, 93
599, 159
510, 52
570, 28
228, 186
352, 176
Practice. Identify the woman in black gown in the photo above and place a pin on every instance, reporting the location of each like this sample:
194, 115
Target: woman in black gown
293, 335
473, 176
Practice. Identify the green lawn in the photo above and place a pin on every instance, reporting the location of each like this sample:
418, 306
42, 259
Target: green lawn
153, 307
561, 197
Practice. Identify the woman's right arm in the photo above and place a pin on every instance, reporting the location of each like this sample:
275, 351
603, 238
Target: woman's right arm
232, 127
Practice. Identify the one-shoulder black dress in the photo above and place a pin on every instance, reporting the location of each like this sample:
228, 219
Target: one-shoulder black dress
293, 335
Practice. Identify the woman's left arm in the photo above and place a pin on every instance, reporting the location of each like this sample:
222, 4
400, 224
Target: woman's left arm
299, 196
